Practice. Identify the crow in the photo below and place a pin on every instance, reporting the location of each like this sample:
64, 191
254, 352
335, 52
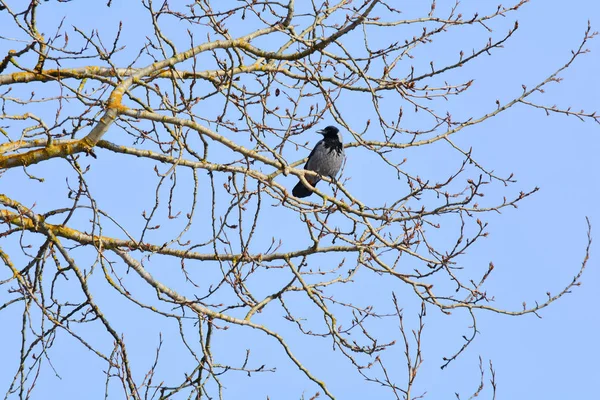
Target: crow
325, 159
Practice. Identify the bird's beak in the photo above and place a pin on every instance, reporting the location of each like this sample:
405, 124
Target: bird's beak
322, 131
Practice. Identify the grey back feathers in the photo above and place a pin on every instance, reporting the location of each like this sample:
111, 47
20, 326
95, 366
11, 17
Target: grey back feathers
325, 159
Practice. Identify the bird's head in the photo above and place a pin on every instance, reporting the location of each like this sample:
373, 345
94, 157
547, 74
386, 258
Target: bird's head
331, 132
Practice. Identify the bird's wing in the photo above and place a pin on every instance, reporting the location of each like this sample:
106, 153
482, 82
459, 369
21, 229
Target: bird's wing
312, 153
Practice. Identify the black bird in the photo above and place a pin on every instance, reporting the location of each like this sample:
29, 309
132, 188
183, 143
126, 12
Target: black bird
325, 159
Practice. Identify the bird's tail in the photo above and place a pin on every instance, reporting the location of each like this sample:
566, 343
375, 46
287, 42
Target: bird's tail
300, 190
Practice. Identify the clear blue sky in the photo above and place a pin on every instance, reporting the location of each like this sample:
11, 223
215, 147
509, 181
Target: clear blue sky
535, 248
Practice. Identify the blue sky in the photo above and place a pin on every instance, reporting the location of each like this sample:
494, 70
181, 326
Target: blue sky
535, 248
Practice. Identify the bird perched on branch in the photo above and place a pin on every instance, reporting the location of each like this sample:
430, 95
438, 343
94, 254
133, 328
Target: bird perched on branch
325, 159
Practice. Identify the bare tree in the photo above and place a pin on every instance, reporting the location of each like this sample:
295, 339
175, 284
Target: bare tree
172, 160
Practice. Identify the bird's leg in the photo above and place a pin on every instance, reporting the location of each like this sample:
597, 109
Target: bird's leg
334, 182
